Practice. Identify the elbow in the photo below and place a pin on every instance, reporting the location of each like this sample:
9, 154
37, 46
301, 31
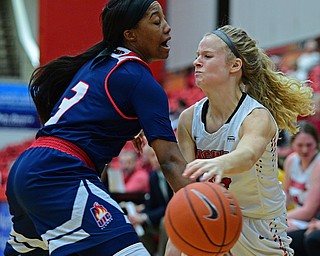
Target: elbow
252, 159
252, 162
248, 164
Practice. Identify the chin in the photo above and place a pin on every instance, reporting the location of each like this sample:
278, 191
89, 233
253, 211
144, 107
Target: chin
197, 82
161, 57
166, 56
165, 52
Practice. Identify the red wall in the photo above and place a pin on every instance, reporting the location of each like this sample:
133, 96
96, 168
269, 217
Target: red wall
70, 27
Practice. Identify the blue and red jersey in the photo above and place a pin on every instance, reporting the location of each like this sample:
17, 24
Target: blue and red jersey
108, 102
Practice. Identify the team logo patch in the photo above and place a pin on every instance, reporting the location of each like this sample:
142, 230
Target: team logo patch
101, 215
231, 138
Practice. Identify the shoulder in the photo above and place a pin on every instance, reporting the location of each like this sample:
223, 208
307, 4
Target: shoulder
288, 161
291, 156
189, 113
133, 69
133, 75
135, 65
260, 119
251, 111
186, 116
316, 166
315, 174
260, 114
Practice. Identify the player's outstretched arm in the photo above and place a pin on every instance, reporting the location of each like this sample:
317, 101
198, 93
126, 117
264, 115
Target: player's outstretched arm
172, 162
255, 134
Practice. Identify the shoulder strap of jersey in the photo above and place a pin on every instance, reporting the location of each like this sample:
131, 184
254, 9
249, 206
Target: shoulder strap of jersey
122, 55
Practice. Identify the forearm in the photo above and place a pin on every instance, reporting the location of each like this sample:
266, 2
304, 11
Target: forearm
301, 213
173, 173
171, 162
256, 132
238, 161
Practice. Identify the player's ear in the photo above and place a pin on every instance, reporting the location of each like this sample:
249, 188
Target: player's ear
237, 65
129, 35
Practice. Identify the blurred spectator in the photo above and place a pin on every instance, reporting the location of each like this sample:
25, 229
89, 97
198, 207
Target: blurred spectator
306, 242
314, 119
292, 69
151, 214
302, 177
314, 77
135, 179
276, 59
307, 60
181, 105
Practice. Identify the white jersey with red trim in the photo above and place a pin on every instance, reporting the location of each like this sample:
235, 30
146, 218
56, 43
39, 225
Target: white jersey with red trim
258, 190
300, 180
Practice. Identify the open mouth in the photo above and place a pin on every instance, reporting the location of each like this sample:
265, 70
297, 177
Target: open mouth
164, 44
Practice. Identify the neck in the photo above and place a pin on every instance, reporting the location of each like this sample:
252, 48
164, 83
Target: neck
223, 104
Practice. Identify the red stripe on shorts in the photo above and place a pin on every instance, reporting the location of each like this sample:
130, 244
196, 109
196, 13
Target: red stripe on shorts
63, 146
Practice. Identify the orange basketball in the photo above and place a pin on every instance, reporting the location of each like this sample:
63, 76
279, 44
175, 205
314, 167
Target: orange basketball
203, 218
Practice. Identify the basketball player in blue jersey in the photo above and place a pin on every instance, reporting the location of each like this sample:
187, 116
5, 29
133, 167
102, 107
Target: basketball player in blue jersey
90, 106
231, 135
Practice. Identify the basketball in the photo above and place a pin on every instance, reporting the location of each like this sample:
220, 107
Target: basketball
203, 218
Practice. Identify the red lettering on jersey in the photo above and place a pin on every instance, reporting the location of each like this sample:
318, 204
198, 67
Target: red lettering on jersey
226, 182
207, 154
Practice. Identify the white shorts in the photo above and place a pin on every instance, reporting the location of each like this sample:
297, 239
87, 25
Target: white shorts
263, 237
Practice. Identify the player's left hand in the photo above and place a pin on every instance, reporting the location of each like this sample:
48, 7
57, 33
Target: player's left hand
139, 142
206, 169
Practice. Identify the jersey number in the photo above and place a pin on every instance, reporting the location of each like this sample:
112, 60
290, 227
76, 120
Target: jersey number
80, 89
224, 181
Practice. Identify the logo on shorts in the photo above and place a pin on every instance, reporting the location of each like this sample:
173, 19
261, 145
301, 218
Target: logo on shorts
101, 215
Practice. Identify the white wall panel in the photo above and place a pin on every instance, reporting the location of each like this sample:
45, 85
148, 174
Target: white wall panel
275, 23
272, 23
189, 20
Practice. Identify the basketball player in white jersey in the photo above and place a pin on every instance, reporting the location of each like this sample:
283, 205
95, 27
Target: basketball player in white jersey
233, 133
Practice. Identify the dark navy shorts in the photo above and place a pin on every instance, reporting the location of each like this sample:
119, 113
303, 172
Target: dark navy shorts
60, 207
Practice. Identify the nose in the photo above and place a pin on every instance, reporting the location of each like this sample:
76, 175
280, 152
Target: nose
167, 28
305, 149
196, 62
